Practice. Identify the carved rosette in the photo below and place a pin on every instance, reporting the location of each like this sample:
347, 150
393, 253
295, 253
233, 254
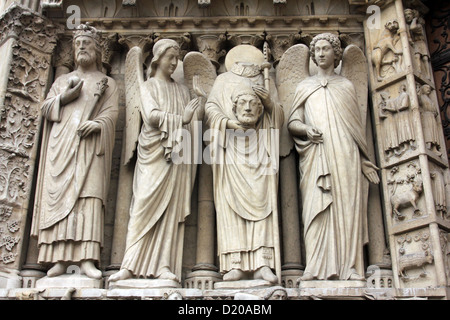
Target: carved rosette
34, 41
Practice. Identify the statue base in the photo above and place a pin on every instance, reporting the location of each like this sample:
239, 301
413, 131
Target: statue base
243, 284
324, 284
144, 284
202, 279
69, 281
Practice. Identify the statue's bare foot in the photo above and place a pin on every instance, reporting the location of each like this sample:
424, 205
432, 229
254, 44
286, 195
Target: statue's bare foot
58, 269
168, 275
89, 269
307, 276
356, 276
233, 275
123, 274
266, 274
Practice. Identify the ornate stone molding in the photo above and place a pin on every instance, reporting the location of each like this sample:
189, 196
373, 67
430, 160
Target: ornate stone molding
34, 39
31, 28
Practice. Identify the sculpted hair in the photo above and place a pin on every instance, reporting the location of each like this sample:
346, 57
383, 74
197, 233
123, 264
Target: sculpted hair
159, 49
335, 43
89, 31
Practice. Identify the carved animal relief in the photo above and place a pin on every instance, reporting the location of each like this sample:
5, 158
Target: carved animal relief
406, 188
415, 253
387, 56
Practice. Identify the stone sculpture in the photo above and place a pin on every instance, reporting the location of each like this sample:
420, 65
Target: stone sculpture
326, 121
161, 188
416, 36
244, 118
386, 55
80, 114
429, 114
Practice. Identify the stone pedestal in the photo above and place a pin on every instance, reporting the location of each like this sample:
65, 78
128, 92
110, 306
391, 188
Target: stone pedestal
242, 284
144, 284
69, 281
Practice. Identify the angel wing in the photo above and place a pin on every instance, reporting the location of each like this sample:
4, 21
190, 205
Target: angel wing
354, 67
291, 70
134, 80
199, 76
198, 70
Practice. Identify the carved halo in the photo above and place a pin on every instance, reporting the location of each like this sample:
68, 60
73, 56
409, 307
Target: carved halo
244, 53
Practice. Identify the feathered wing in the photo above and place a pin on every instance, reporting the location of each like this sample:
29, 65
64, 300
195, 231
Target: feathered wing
134, 80
195, 64
354, 67
291, 70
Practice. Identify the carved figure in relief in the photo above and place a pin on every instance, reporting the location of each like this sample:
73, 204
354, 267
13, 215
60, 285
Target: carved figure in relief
406, 135
417, 259
439, 197
429, 113
407, 199
416, 34
80, 114
408, 196
245, 117
387, 44
387, 113
162, 189
327, 122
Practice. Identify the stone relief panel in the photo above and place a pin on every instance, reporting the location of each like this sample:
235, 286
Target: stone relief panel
398, 137
405, 187
415, 258
387, 57
385, 49
439, 192
417, 40
429, 112
444, 238
19, 120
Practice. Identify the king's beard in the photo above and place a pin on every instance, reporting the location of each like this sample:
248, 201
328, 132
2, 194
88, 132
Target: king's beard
84, 59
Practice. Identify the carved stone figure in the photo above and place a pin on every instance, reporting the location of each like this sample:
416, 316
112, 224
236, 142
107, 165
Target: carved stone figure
429, 113
439, 197
386, 53
416, 35
406, 135
80, 114
326, 121
244, 118
387, 113
161, 188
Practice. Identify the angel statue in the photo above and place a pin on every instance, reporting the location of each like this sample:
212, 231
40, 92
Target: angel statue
242, 105
162, 189
327, 122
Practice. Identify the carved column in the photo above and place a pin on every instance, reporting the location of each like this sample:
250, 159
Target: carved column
290, 203
26, 46
414, 169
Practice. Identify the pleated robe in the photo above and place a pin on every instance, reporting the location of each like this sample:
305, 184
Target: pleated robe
161, 189
331, 180
74, 172
245, 192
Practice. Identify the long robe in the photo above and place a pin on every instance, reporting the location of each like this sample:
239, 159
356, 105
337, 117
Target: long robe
331, 177
245, 190
161, 189
74, 172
